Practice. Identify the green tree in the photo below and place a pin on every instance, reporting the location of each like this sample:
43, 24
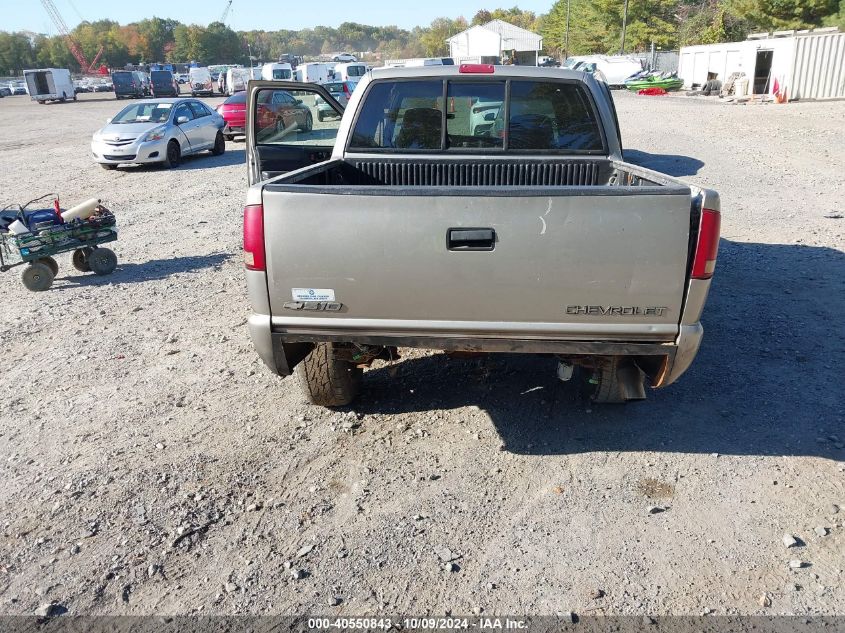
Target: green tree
16, 53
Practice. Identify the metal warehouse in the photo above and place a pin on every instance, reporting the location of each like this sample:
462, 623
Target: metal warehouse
492, 41
801, 64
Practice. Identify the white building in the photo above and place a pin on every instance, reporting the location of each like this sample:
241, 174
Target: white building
805, 64
488, 43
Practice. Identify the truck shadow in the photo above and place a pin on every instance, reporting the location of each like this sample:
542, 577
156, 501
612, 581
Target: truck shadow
671, 164
129, 273
767, 380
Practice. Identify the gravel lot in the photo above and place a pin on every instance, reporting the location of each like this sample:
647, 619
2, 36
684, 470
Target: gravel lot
150, 463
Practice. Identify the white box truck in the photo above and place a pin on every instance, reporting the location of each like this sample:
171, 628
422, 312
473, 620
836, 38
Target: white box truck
49, 84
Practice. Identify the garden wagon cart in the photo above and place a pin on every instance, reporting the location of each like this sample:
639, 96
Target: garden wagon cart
36, 248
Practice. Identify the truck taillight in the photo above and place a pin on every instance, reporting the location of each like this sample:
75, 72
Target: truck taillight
254, 237
476, 69
708, 245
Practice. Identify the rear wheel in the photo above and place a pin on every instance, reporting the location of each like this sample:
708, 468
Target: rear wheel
37, 277
102, 261
174, 155
51, 263
327, 380
219, 145
79, 259
615, 380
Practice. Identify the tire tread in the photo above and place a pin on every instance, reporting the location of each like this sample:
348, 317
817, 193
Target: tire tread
326, 380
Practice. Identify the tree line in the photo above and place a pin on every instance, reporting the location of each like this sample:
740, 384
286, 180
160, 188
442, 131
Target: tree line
594, 27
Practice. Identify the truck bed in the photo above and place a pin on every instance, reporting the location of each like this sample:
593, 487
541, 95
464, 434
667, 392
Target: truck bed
469, 172
594, 249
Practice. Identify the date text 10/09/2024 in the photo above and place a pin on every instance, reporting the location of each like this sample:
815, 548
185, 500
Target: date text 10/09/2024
424, 623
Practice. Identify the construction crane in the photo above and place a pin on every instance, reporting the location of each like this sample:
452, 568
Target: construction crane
226, 12
72, 44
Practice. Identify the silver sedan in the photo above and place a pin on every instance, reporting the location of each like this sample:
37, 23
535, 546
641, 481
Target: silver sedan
158, 131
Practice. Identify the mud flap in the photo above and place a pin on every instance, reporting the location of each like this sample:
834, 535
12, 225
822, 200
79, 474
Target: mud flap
287, 356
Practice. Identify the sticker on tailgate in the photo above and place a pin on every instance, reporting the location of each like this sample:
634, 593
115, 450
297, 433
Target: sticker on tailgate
312, 294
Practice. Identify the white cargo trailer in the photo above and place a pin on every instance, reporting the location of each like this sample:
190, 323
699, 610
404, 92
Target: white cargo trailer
49, 84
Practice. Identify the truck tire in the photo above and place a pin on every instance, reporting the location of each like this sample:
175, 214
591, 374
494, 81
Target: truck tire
616, 381
326, 380
37, 277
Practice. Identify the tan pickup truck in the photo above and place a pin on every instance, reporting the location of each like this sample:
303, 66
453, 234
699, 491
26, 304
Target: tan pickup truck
468, 208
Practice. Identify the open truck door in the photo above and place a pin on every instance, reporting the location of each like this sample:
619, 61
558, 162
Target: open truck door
290, 125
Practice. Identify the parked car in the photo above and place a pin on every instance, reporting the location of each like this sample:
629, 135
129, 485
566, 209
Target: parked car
17, 87
163, 84
483, 114
233, 111
200, 81
5, 91
341, 91
541, 239
280, 112
344, 57
158, 131
182, 78
127, 85
288, 58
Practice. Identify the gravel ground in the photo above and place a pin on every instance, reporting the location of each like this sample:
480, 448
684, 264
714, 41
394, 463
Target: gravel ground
150, 463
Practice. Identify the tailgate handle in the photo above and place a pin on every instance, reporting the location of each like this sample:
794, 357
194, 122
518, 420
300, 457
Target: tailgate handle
470, 239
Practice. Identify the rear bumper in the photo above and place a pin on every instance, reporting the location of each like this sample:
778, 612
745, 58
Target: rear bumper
281, 351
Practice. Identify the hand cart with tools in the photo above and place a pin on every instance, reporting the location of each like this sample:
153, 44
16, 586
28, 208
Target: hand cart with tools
39, 241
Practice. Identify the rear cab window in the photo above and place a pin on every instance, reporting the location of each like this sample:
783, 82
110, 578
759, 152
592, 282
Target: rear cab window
509, 115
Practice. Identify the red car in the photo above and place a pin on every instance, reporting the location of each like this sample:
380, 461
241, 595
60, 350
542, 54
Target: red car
233, 111
278, 112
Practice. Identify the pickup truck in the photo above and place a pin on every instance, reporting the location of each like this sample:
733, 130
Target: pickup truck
469, 208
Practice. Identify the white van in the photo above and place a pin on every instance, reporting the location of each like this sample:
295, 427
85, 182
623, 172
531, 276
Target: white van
315, 73
199, 79
236, 80
429, 61
278, 72
49, 84
350, 72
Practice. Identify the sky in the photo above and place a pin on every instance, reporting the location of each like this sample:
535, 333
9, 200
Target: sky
245, 15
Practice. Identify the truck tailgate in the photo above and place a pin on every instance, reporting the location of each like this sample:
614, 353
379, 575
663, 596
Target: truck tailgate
578, 263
